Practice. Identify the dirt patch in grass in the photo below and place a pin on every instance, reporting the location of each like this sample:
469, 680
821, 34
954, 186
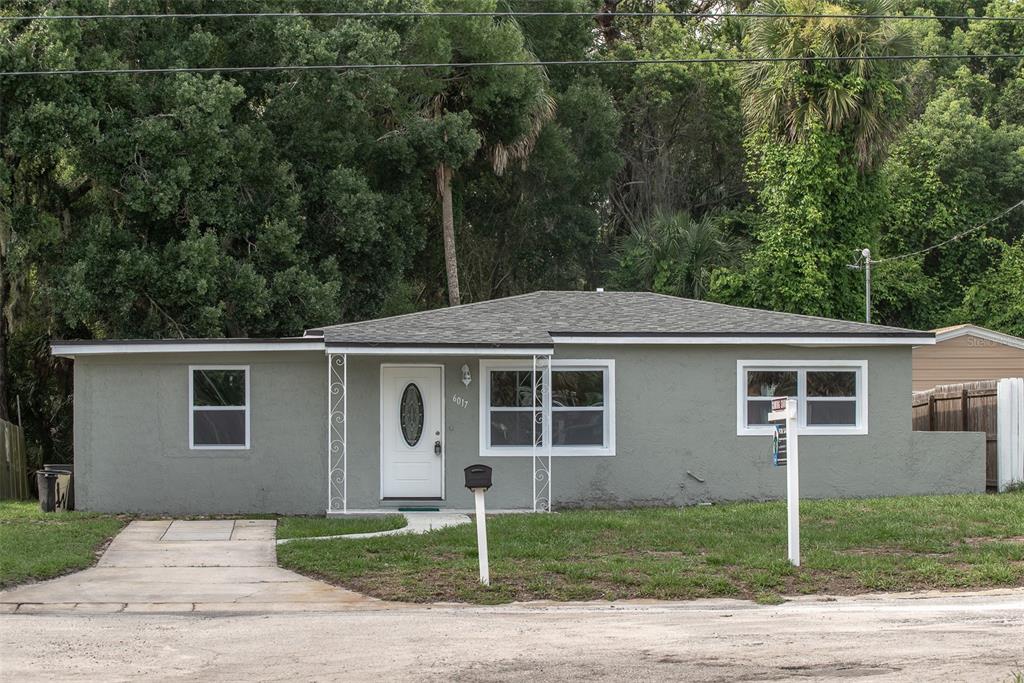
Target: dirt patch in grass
983, 540
886, 551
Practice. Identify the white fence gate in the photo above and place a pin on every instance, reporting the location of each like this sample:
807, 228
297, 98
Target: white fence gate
1010, 421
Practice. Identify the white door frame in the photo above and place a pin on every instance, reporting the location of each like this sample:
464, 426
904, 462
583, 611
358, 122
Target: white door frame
380, 421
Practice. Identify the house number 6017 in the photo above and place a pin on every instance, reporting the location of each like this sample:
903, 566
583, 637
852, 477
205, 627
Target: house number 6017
460, 401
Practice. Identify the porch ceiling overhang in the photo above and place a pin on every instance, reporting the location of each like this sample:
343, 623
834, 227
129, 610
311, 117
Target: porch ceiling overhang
440, 350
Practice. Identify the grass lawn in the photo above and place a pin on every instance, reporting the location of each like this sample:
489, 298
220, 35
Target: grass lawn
735, 550
303, 527
35, 545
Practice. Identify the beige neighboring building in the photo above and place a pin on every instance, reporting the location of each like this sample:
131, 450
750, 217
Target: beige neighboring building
967, 353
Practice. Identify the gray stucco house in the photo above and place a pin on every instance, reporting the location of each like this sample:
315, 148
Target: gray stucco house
574, 398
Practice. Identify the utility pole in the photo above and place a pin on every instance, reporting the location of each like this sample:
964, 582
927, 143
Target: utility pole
866, 253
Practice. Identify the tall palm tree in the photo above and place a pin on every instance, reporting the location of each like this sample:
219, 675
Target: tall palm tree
857, 97
500, 155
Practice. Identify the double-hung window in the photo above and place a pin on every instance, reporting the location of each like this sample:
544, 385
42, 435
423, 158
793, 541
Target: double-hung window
580, 402
831, 395
218, 406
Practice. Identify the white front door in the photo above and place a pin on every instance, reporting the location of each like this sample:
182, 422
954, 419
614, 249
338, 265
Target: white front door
412, 431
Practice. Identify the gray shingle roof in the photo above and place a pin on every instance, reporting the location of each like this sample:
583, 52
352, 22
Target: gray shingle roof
532, 320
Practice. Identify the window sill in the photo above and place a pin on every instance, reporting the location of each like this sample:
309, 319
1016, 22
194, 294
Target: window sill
806, 431
555, 452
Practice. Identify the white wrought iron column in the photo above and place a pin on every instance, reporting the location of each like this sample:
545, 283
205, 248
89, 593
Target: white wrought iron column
541, 450
533, 428
337, 433
549, 426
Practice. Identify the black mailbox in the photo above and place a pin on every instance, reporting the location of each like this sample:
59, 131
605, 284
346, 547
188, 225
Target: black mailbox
478, 477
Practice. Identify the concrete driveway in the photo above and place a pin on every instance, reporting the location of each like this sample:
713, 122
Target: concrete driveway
186, 566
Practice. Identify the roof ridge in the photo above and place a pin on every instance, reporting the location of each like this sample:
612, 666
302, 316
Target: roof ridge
533, 317
429, 310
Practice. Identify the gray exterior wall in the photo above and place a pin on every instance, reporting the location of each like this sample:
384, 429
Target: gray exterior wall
676, 413
675, 416
131, 436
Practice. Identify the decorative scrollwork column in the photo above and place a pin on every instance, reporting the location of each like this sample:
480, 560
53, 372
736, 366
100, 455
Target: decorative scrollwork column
541, 450
337, 433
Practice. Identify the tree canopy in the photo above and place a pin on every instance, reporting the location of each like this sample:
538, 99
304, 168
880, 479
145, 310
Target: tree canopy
262, 203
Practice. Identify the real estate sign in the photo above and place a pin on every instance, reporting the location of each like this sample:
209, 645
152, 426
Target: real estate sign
778, 418
779, 443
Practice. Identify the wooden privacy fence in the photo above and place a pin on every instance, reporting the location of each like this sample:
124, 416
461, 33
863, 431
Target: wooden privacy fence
13, 469
978, 407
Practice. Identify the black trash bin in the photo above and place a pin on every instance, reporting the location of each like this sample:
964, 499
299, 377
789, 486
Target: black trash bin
65, 496
47, 483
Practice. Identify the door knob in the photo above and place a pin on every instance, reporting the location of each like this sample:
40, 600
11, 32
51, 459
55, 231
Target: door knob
437, 447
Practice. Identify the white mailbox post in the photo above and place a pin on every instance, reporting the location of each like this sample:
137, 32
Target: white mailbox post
786, 454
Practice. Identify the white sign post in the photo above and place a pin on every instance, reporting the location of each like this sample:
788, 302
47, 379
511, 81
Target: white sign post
784, 408
481, 536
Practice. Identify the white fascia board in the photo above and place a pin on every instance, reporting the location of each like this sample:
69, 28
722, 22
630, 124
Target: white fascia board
72, 350
982, 333
436, 351
753, 340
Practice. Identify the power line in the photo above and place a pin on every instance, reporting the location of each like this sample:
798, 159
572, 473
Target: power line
512, 13
951, 239
430, 65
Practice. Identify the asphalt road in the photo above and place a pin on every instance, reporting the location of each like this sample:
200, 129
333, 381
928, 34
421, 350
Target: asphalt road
969, 637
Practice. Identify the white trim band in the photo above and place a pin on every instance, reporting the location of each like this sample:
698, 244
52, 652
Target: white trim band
748, 341
72, 350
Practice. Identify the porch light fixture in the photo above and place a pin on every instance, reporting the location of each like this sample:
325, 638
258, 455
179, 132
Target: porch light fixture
467, 377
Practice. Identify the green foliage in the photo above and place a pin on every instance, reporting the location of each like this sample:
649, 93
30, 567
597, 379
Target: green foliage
996, 300
818, 131
264, 203
682, 127
957, 165
817, 209
38, 545
861, 100
674, 254
307, 527
953, 168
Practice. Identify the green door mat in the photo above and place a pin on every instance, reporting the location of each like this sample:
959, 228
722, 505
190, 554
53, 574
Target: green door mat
419, 509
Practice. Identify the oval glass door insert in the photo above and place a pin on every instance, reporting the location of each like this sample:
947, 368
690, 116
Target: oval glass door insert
411, 414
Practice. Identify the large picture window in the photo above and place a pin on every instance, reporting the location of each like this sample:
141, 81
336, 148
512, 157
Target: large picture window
580, 402
219, 407
831, 395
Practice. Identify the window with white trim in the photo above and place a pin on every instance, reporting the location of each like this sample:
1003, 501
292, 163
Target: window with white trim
581, 403
218, 407
831, 395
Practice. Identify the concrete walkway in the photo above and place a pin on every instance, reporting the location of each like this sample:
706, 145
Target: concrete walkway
186, 566
416, 523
